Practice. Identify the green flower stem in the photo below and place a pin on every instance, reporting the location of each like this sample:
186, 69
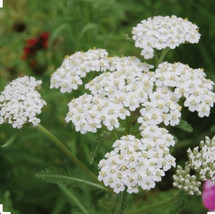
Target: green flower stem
128, 125
163, 54
64, 149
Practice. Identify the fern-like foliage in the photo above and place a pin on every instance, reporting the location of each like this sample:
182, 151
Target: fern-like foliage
98, 144
121, 202
185, 126
59, 176
179, 203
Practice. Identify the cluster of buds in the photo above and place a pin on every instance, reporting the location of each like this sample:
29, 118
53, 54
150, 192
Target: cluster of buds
202, 159
185, 181
199, 167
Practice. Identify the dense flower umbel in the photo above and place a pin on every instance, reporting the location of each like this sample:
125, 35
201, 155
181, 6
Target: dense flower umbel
161, 32
201, 163
88, 113
129, 83
188, 83
161, 107
132, 86
20, 103
136, 163
75, 67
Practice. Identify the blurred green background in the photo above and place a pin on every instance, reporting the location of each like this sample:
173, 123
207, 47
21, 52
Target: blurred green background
80, 25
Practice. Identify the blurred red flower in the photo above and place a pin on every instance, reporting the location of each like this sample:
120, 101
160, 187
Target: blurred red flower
35, 44
32, 42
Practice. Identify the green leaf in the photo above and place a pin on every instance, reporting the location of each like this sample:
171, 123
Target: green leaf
178, 203
72, 197
121, 202
185, 126
97, 145
12, 139
60, 177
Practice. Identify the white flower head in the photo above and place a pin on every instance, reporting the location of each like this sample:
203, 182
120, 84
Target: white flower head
135, 163
75, 67
162, 107
88, 113
188, 83
128, 63
129, 83
162, 32
20, 102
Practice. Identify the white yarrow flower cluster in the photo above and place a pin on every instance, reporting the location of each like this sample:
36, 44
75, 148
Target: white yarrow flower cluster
75, 67
137, 163
163, 32
129, 85
188, 83
125, 85
20, 103
112, 93
199, 168
128, 63
161, 107
88, 113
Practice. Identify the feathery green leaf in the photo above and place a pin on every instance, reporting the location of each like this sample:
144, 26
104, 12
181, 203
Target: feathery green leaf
121, 202
185, 126
63, 177
97, 145
179, 203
